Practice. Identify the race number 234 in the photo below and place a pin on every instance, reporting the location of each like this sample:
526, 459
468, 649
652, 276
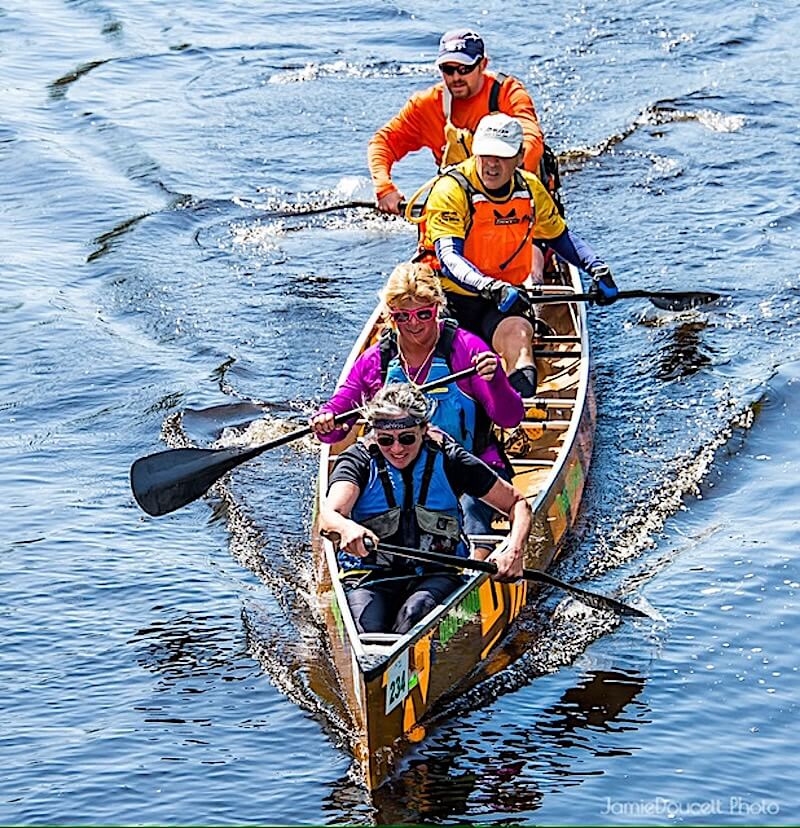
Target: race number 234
397, 681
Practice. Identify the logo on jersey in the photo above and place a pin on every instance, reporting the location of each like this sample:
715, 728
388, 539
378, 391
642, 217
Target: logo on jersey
509, 218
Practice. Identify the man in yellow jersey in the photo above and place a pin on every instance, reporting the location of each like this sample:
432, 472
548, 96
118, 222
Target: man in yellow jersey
485, 218
444, 116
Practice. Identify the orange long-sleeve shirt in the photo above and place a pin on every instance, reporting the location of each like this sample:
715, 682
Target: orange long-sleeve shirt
421, 123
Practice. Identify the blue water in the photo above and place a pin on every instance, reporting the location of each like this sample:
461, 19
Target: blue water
172, 671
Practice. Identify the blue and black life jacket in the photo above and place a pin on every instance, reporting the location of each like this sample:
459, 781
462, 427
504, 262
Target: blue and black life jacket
414, 507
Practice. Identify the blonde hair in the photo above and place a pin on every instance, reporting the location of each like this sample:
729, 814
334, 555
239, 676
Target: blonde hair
412, 282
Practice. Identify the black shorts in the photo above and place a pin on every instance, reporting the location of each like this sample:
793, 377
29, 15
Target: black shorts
477, 315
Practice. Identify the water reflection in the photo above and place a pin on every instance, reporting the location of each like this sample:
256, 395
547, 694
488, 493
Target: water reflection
188, 646
683, 356
597, 703
505, 767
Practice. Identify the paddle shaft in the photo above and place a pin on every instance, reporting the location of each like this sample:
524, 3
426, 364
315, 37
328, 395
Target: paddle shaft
332, 208
167, 480
665, 299
594, 599
678, 298
248, 454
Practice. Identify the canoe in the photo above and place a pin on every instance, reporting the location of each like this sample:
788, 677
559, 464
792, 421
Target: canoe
390, 683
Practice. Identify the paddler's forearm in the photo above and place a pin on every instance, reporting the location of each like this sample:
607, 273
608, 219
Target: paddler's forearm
392, 142
380, 159
575, 250
361, 384
520, 520
450, 252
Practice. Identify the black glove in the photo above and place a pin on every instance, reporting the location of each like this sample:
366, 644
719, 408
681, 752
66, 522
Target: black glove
604, 289
509, 299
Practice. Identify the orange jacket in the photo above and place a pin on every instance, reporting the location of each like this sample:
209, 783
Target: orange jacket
421, 123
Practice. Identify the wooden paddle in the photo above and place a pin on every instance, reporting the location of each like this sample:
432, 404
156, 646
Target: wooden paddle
672, 300
167, 480
593, 599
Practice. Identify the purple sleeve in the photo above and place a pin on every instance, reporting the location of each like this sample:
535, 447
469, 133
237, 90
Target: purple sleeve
360, 385
500, 401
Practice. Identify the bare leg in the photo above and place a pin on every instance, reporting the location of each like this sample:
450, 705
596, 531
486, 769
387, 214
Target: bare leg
513, 340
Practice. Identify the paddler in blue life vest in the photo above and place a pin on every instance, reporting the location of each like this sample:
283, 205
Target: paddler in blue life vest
419, 346
486, 222
401, 485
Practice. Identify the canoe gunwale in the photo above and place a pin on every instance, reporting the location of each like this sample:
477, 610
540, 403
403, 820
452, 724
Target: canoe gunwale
578, 312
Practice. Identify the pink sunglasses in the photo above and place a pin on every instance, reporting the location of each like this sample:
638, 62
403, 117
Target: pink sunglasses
422, 314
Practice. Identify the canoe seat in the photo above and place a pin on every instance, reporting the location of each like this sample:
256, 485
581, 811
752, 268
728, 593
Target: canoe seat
485, 540
540, 353
552, 402
382, 639
545, 425
557, 338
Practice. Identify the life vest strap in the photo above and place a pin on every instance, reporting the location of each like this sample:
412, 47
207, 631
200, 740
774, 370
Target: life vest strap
427, 475
494, 92
383, 476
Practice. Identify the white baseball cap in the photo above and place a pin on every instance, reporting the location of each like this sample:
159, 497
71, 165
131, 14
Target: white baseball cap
499, 135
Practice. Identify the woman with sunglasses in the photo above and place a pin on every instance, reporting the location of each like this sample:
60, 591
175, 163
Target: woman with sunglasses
418, 347
401, 485
443, 117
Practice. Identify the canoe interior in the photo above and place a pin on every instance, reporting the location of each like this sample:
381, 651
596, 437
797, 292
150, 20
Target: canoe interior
390, 682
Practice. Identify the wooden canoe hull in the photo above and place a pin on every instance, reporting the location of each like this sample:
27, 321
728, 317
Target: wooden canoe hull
391, 684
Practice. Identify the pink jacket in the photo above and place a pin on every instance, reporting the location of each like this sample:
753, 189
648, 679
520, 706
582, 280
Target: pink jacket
502, 403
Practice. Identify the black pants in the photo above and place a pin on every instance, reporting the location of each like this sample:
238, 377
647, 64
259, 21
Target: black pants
396, 605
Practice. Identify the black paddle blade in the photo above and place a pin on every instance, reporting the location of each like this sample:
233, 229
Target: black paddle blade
170, 479
681, 300
593, 599
671, 300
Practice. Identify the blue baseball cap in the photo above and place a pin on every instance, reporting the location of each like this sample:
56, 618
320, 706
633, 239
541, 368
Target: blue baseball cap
460, 46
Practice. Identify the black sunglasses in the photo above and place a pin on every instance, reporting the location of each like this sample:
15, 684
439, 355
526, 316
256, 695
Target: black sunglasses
407, 438
451, 69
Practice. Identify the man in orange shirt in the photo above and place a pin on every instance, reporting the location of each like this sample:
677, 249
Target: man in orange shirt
444, 117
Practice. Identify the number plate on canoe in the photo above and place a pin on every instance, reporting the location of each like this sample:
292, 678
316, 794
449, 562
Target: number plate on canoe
397, 682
